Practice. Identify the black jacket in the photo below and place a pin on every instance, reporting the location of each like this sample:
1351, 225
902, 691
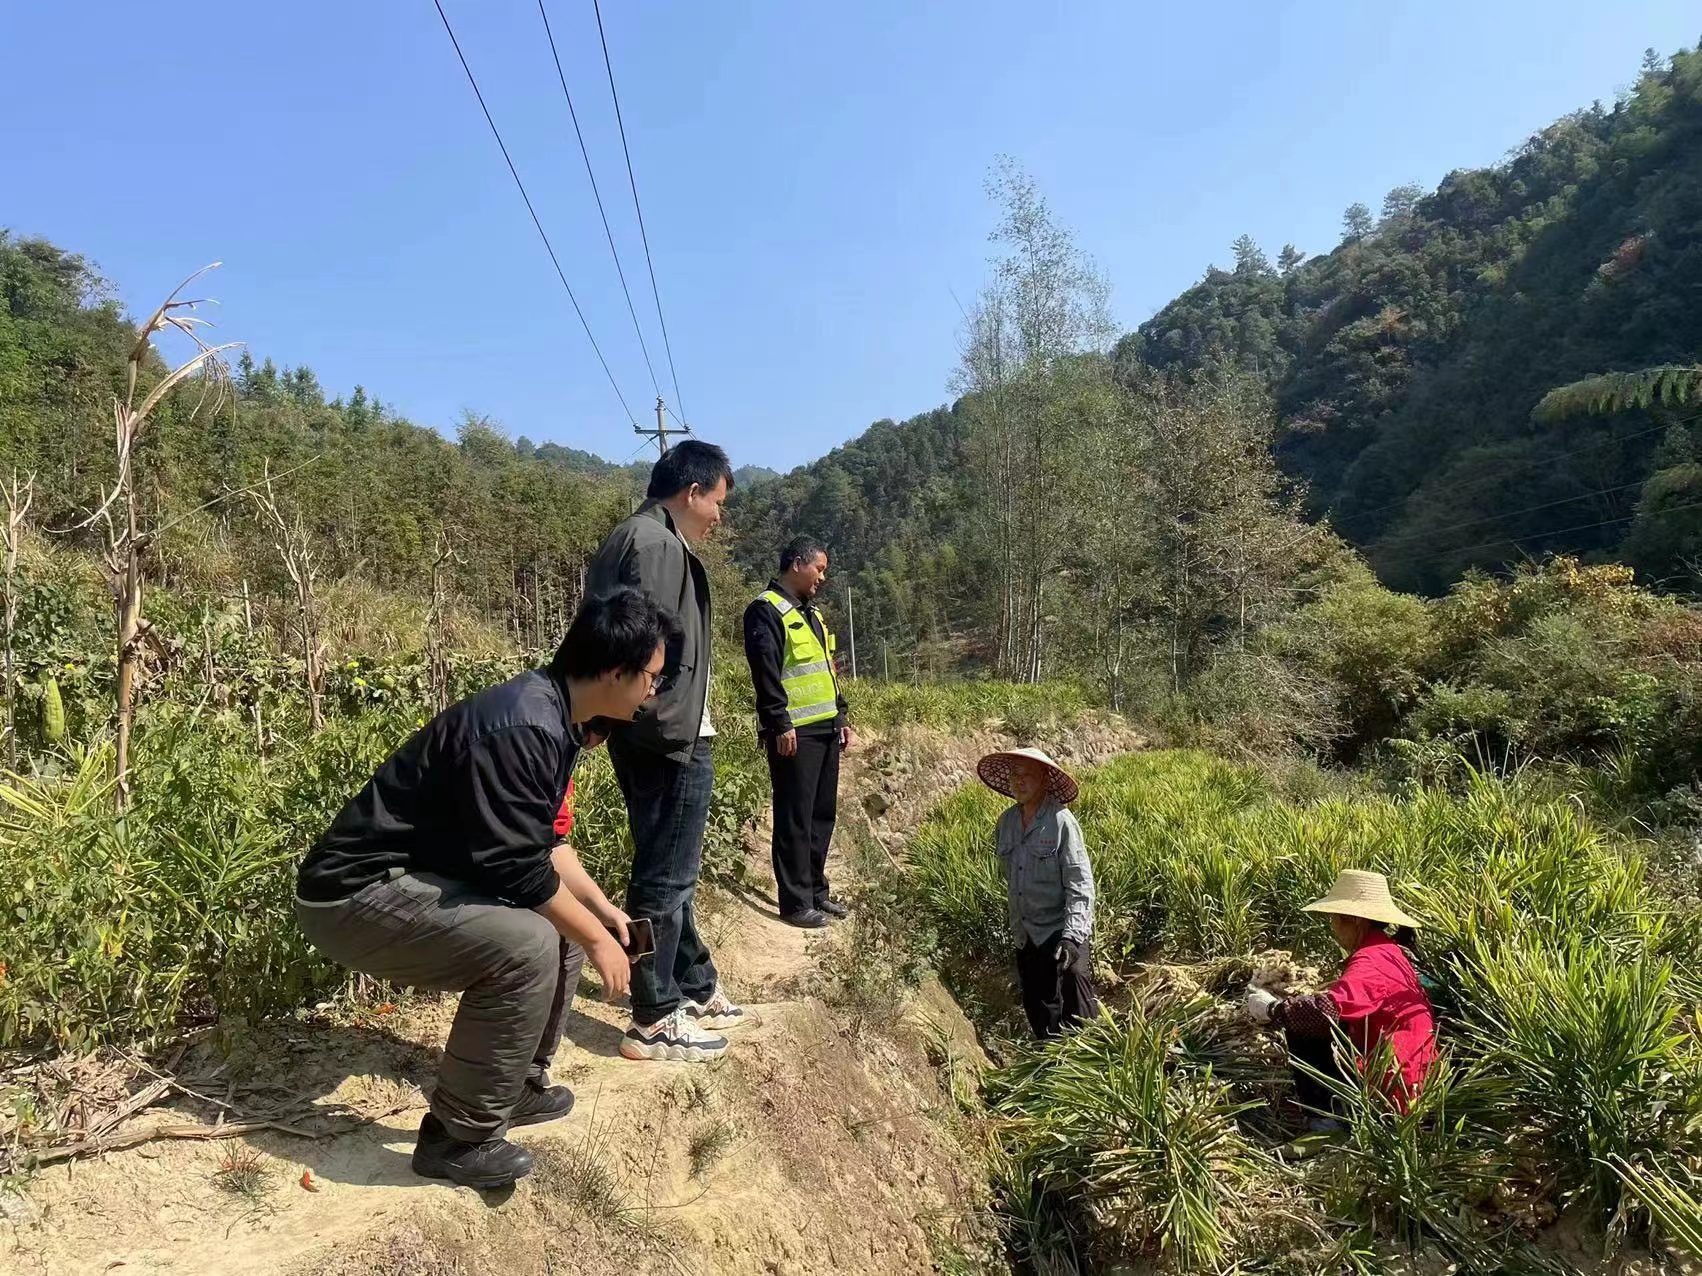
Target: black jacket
765, 650
646, 553
472, 796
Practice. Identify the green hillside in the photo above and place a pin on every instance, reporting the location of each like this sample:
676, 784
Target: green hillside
1405, 362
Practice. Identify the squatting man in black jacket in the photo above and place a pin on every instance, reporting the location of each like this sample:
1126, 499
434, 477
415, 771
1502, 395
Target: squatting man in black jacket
443, 873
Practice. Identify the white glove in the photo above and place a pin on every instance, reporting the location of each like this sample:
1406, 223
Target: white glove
1258, 1004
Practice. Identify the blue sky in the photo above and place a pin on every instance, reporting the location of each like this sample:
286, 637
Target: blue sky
812, 175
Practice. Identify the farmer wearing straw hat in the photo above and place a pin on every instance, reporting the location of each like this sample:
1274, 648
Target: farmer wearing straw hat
1378, 997
1051, 887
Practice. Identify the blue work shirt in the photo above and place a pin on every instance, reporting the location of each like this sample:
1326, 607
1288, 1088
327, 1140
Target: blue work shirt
1047, 874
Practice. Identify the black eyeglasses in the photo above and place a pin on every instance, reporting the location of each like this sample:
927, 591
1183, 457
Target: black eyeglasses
659, 682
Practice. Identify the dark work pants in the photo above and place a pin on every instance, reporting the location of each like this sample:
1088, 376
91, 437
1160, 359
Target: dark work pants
1055, 999
1318, 1053
667, 808
806, 802
515, 973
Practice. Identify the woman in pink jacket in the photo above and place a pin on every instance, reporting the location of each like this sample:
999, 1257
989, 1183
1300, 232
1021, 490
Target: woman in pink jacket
1377, 999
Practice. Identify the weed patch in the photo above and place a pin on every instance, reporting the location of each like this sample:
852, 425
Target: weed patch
242, 1171
709, 1145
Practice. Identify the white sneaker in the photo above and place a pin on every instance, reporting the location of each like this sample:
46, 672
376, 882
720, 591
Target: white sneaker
720, 1012
676, 1037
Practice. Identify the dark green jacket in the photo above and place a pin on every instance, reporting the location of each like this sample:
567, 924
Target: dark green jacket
644, 552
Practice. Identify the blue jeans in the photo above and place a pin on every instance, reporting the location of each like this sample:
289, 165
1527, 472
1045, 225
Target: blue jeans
667, 808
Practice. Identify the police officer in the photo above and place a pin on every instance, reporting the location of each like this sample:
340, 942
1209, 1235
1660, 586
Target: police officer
801, 717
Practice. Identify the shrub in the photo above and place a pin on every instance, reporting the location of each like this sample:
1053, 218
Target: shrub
182, 911
1376, 646
1588, 1043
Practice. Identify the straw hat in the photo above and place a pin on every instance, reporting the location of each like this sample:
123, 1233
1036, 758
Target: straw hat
995, 773
1357, 893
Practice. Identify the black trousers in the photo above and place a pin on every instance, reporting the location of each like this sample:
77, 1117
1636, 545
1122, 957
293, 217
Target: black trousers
806, 803
1055, 999
516, 978
1318, 1053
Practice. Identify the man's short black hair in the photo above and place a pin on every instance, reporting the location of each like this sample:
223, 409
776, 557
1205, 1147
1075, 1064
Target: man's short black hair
692, 461
619, 631
800, 547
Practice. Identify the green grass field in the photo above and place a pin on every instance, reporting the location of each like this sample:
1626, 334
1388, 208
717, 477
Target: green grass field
1565, 970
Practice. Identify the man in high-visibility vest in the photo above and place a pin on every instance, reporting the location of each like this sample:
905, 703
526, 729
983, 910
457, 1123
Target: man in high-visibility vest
801, 717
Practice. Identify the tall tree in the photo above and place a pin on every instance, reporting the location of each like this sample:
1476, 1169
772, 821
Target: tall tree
1046, 306
1215, 532
1402, 200
1249, 257
16, 496
1356, 223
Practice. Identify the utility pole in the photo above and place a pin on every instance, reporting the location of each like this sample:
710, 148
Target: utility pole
663, 430
851, 620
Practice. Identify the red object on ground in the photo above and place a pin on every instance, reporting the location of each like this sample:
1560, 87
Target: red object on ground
564, 817
1380, 999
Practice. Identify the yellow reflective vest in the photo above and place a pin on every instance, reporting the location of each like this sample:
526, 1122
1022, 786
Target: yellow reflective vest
806, 668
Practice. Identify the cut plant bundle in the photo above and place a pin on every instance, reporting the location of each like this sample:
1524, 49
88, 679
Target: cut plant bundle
1102, 1118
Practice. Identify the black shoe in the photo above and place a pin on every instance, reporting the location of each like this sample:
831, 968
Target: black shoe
833, 907
493, 1164
808, 919
537, 1104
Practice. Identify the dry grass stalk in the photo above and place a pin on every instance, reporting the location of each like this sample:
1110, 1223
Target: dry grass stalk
437, 649
128, 541
17, 494
294, 543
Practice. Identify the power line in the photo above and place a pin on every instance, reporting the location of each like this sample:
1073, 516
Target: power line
1562, 531
598, 196
1511, 514
633, 182
1520, 469
548, 247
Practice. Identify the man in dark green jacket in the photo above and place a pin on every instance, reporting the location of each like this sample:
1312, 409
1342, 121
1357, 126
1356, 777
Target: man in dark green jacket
663, 759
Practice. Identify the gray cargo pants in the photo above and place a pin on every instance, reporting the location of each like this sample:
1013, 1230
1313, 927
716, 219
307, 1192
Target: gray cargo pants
515, 973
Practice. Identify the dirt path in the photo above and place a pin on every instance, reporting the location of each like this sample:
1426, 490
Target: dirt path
812, 1147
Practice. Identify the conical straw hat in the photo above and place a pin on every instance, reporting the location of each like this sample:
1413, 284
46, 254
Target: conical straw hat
995, 773
1357, 893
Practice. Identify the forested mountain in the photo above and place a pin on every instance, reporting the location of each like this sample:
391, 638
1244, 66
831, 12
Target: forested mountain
1406, 361
1086, 498
1404, 365
636, 473
891, 503
380, 499
576, 461
748, 476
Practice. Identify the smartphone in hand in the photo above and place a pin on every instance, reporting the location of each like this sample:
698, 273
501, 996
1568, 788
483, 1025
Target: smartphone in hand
641, 938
